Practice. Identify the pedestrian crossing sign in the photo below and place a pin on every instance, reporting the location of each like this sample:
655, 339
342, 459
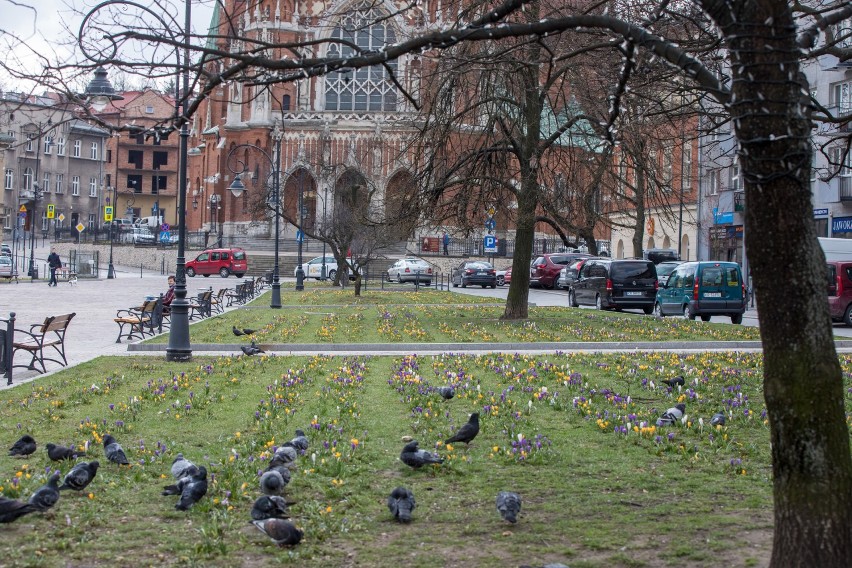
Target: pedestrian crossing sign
108, 213
51, 211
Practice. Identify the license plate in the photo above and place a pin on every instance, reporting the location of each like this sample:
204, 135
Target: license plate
634, 293
712, 294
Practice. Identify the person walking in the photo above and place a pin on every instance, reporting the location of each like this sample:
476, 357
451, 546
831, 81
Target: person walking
446, 243
54, 262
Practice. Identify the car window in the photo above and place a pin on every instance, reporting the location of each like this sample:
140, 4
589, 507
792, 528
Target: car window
630, 270
559, 259
214, 256
201, 257
239, 255
479, 265
665, 269
711, 276
732, 276
224, 256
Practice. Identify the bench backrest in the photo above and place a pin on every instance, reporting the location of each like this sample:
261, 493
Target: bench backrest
56, 323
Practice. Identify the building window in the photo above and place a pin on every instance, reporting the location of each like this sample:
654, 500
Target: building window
686, 166
841, 97
44, 222
29, 144
158, 184
28, 179
59, 183
60, 147
94, 152
92, 221
75, 186
369, 88
7, 217
712, 182
10, 179
149, 109
48, 142
161, 159
134, 183
136, 158
668, 167
736, 178
45, 186
78, 145
93, 187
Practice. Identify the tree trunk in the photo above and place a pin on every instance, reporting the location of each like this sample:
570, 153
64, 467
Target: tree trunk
639, 222
358, 283
802, 378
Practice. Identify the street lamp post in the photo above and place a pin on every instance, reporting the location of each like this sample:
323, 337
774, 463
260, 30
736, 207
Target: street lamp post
300, 273
111, 267
237, 187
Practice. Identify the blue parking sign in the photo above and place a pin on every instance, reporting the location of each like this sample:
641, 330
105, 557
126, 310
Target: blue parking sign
490, 243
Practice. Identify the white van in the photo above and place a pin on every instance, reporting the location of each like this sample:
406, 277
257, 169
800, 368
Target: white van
152, 222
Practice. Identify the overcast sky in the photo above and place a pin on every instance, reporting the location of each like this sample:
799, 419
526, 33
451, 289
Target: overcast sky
30, 27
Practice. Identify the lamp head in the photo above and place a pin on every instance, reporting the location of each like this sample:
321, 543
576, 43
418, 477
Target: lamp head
237, 186
99, 91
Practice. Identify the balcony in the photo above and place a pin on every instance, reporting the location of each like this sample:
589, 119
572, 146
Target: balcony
845, 187
739, 201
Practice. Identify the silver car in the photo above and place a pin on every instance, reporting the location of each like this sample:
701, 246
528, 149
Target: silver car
410, 270
6, 268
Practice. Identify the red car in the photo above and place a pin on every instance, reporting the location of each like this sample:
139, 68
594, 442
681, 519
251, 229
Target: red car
223, 262
544, 270
504, 276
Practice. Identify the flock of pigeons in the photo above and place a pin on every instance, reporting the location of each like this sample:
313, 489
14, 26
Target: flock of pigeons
252, 349
676, 413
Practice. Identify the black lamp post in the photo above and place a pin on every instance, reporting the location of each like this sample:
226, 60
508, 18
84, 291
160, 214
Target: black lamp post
237, 187
300, 273
111, 267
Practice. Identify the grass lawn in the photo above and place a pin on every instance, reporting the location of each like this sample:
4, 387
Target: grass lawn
430, 316
574, 434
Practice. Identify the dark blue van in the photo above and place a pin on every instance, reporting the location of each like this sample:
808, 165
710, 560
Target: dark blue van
705, 289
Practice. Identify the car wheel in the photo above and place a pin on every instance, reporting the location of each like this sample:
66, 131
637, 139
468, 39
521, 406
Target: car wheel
224, 272
398, 278
648, 310
598, 302
572, 299
455, 285
332, 275
493, 286
686, 313
427, 283
501, 280
705, 318
847, 317
190, 272
738, 319
238, 274
484, 285
658, 310
206, 275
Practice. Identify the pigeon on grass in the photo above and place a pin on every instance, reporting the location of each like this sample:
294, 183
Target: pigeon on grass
282, 533
59, 453
677, 381
113, 451
672, 416
446, 392
193, 490
182, 467
269, 507
12, 510
285, 456
252, 349
718, 419
80, 476
509, 505
401, 503
467, 432
414, 457
273, 480
47, 495
23, 447
300, 442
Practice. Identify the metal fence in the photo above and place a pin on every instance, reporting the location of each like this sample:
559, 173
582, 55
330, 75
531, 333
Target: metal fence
84, 263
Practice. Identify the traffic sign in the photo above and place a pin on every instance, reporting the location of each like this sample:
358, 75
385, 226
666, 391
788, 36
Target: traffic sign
51, 210
61, 217
300, 236
490, 224
107, 213
80, 227
490, 243
491, 210
165, 227
22, 209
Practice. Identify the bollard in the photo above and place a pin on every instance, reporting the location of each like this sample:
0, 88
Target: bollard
140, 270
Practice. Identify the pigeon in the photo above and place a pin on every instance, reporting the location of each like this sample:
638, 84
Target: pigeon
671, 416
718, 419
447, 392
113, 451
59, 453
182, 467
47, 495
467, 432
285, 456
23, 447
273, 481
300, 442
11, 510
674, 382
509, 505
237, 332
252, 349
414, 457
401, 503
80, 476
193, 490
247, 331
280, 531
269, 507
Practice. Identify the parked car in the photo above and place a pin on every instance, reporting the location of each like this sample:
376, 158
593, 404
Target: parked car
504, 276
5, 250
224, 262
121, 224
544, 270
6, 268
140, 236
474, 272
615, 284
840, 290
313, 268
665, 268
410, 270
660, 255
568, 275
705, 289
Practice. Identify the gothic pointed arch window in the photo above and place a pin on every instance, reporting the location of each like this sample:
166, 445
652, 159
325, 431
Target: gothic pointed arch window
368, 89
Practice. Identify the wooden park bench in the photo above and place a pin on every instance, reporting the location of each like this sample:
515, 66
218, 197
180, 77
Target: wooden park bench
7, 338
237, 296
136, 323
201, 307
40, 336
217, 302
